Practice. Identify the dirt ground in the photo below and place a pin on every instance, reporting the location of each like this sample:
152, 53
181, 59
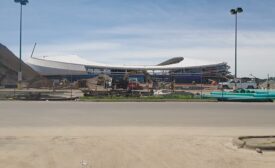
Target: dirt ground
129, 147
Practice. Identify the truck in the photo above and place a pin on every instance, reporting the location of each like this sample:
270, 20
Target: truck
133, 84
238, 84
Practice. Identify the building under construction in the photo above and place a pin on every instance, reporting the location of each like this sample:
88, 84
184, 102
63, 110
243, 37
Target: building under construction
177, 69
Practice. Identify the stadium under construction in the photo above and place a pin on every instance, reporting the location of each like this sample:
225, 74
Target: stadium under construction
176, 69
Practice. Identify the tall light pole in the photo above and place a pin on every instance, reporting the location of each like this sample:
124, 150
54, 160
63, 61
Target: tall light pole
235, 12
22, 2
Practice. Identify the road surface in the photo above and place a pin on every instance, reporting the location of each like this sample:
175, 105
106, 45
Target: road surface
19, 113
132, 135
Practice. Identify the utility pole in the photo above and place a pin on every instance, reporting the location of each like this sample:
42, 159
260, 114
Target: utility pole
22, 2
235, 12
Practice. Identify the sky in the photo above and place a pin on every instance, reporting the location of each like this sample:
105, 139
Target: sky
137, 32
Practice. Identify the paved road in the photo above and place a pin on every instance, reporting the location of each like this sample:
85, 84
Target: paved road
136, 114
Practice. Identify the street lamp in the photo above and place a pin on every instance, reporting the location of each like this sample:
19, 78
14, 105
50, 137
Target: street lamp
235, 12
22, 2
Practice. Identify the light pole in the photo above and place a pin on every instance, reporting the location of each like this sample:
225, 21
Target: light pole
22, 2
235, 12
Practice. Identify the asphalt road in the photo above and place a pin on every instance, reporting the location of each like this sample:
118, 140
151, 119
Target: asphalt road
43, 114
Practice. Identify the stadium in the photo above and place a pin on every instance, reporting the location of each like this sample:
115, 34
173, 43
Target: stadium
177, 69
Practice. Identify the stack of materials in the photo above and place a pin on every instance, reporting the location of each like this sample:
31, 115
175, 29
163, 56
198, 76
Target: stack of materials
246, 95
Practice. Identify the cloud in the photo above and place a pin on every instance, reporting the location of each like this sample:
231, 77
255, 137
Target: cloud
70, 48
151, 45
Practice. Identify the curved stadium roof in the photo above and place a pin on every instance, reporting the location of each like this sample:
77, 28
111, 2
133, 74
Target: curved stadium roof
64, 62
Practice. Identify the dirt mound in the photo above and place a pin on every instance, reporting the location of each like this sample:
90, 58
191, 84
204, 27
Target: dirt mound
98, 82
9, 67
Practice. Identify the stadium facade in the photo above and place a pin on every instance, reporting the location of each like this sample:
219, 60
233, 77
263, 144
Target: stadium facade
176, 69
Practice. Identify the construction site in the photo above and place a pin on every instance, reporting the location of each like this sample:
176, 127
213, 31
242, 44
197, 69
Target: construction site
161, 80
137, 84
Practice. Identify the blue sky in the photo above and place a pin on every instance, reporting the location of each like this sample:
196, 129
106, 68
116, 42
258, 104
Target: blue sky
145, 31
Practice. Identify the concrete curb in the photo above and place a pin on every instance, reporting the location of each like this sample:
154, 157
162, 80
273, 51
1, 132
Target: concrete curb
241, 143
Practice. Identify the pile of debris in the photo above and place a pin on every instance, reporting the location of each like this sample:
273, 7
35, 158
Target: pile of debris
99, 83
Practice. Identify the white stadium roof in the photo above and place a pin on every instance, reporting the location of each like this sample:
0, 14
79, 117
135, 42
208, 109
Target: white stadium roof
61, 61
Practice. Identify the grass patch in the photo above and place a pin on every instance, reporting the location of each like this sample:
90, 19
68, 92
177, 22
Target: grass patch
160, 98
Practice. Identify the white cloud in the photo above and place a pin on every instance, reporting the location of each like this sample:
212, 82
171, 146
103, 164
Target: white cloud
55, 49
256, 50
